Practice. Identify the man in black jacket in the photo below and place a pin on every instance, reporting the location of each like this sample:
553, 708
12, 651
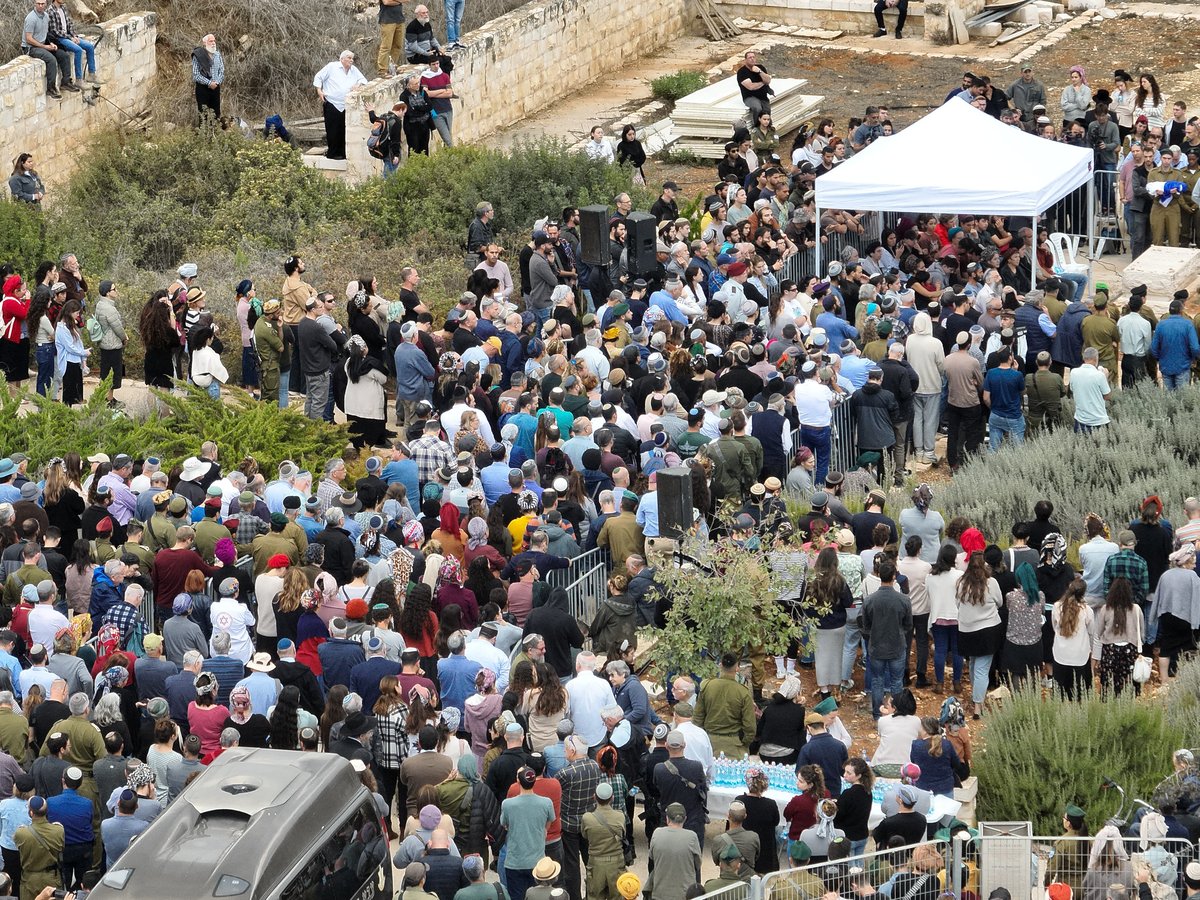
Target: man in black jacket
316, 350
554, 622
354, 740
288, 671
876, 412
665, 209
901, 380
502, 774
339, 547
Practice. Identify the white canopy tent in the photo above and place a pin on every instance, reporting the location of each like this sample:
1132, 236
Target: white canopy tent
959, 159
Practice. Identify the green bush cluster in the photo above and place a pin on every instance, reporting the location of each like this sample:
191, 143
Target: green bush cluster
1149, 448
671, 88
240, 425
1034, 743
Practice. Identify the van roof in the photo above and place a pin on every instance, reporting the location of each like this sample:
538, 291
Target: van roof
251, 815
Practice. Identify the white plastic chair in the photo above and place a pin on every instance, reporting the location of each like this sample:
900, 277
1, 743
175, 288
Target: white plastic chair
1063, 248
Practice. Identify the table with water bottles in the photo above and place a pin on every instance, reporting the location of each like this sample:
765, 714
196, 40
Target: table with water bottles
729, 782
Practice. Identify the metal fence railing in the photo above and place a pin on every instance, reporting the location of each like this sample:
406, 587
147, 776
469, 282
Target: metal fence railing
585, 581
1016, 860
843, 453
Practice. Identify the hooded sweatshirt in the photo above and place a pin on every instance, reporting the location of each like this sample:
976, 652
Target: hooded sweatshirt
926, 355
554, 622
561, 543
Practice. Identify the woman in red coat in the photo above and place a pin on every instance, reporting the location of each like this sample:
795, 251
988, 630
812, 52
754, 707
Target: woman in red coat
14, 336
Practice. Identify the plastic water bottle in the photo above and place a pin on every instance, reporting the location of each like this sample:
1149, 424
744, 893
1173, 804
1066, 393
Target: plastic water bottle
721, 770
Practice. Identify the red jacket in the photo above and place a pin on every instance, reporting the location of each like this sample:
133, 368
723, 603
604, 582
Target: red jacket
12, 316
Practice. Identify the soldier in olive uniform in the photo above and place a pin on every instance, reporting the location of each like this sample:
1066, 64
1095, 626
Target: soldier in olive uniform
40, 844
84, 747
603, 830
160, 533
731, 864
725, 709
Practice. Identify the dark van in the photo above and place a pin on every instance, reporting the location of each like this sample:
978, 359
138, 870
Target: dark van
261, 825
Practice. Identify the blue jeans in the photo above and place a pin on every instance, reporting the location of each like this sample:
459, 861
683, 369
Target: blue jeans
1079, 281
213, 389
389, 167
519, 881
819, 441
980, 667
79, 48
999, 426
886, 677
283, 389
454, 17
541, 315
945, 638
1176, 381
1151, 627
45, 355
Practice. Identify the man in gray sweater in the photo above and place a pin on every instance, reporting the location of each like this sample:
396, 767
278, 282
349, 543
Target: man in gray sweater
886, 621
543, 278
112, 337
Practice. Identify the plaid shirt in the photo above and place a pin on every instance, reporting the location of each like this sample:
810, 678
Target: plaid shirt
392, 737
430, 453
60, 21
578, 779
125, 617
1127, 564
249, 527
328, 492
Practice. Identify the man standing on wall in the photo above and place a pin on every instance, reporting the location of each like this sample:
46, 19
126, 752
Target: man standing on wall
436, 82
391, 36
333, 84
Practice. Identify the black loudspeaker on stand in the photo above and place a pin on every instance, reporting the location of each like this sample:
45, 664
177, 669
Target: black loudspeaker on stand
641, 239
593, 235
674, 501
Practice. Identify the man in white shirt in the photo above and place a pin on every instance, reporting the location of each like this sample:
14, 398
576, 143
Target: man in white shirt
711, 402
815, 401
484, 651
494, 267
44, 620
587, 695
333, 83
593, 355
698, 746
1135, 331
233, 617
451, 420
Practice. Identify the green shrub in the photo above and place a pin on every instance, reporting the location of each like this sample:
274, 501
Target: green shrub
23, 236
673, 157
438, 193
239, 425
1149, 448
671, 88
1071, 747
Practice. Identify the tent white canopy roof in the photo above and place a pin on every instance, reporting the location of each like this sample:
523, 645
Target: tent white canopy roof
957, 159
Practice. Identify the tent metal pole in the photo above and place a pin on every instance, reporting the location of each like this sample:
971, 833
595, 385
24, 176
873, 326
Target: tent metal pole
1037, 219
1091, 194
817, 242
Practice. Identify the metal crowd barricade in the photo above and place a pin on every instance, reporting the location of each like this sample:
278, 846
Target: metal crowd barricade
739, 891
1025, 864
810, 882
585, 581
147, 611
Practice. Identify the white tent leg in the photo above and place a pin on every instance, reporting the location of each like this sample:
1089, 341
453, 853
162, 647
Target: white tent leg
1091, 243
817, 243
1037, 218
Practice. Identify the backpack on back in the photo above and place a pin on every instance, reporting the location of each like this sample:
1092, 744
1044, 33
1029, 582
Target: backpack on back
380, 134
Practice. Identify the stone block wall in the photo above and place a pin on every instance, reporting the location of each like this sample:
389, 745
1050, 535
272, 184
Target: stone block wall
852, 16
53, 130
523, 61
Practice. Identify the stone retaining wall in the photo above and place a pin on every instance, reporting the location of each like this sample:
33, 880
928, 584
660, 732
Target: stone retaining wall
523, 61
31, 122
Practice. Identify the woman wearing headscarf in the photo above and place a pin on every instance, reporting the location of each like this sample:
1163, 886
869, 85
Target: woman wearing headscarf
1023, 632
1108, 864
311, 633
477, 545
205, 717
480, 709
365, 402
472, 806
450, 591
366, 313
780, 733
253, 728
449, 532
924, 522
1175, 612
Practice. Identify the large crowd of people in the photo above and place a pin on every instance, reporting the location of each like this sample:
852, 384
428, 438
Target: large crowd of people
407, 619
